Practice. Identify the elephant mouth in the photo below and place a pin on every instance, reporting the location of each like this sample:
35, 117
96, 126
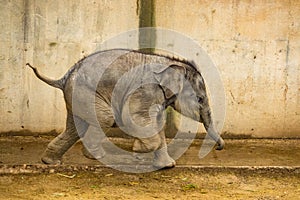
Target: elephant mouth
169, 101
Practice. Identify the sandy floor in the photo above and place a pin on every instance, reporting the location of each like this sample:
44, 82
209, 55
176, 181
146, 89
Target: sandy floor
176, 183
246, 169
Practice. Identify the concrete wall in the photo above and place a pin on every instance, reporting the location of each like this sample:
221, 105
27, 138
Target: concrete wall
255, 45
52, 35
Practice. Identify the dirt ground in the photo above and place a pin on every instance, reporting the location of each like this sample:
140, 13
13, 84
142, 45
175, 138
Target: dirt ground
176, 183
260, 169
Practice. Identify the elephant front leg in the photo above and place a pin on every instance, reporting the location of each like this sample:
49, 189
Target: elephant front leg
161, 157
158, 145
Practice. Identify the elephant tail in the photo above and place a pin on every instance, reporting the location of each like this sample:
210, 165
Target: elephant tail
54, 83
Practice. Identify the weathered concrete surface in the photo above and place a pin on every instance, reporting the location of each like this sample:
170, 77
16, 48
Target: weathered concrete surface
255, 45
51, 35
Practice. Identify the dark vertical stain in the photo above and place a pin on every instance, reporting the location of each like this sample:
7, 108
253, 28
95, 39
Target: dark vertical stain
137, 7
286, 86
286, 71
146, 12
287, 52
287, 61
26, 21
23, 80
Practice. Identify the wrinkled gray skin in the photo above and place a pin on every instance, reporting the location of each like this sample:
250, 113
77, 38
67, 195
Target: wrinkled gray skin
79, 86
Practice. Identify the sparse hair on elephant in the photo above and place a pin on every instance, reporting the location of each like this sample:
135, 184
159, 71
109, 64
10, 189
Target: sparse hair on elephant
129, 89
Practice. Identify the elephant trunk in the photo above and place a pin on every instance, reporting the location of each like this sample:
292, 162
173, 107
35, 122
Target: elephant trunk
210, 128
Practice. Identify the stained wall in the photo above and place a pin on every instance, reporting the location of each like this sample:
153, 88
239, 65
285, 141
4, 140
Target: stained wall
254, 44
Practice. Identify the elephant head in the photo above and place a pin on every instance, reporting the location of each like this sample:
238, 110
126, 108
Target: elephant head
185, 91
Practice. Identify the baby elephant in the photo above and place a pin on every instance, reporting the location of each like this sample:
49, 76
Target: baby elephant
131, 90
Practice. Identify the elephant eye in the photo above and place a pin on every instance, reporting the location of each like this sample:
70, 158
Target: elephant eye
199, 99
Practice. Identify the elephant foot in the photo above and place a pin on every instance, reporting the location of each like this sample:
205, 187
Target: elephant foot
87, 154
51, 158
162, 159
95, 154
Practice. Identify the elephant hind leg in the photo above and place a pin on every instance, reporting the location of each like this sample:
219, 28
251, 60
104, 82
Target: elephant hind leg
63, 142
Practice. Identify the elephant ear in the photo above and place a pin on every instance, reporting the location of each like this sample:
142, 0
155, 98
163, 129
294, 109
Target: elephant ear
171, 79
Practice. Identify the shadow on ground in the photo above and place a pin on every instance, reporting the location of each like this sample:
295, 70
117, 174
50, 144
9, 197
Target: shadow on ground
248, 152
